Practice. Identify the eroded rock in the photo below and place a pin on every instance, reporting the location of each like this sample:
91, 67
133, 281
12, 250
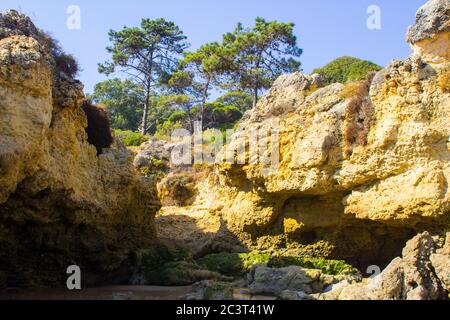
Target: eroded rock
291, 281
60, 203
414, 276
362, 166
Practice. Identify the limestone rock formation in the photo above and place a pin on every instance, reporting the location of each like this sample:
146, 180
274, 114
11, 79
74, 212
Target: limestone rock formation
362, 166
431, 19
430, 35
60, 203
421, 273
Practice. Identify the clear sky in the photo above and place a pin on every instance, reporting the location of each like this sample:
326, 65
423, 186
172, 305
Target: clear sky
326, 29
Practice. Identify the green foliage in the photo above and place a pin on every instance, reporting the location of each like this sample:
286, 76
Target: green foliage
176, 116
124, 101
130, 138
148, 54
261, 54
198, 72
217, 115
240, 100
346, 69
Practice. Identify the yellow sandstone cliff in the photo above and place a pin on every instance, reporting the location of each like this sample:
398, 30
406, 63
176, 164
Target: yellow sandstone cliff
60, 203
363, 166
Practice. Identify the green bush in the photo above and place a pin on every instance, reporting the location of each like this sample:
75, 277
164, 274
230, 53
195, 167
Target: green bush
346, 69
130, 138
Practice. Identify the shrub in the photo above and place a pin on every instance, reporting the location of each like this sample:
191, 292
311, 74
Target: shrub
130, 138
98, 129
359, 113
346, 69
166, 129
64, 62
67, 63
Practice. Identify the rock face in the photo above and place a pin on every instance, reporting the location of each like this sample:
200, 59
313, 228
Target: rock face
421, 273
431, 19
176, 183
60, 203
363, 166
430, 35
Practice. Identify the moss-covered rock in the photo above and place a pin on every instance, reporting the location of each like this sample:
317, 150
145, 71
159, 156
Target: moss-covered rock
331, 267
235, 264
169, 266
178, 274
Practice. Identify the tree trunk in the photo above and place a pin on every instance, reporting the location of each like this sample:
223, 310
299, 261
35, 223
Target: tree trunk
205, 96
148, 95
191, 122
146, 111
255, 97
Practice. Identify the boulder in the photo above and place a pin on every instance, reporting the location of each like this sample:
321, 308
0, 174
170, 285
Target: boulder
292, 281
414, 276
211, 290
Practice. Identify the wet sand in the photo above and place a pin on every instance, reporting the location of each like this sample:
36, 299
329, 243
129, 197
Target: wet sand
101, 293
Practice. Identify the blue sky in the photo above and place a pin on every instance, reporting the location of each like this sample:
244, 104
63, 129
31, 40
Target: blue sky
326, 29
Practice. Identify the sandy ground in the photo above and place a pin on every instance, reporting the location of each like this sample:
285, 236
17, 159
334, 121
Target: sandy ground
101, 293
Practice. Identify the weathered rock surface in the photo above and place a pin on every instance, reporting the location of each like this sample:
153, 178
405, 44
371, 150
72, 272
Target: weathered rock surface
291, 281
60, 203
431, 19
430, 35
363, 166
211, 290
421, 273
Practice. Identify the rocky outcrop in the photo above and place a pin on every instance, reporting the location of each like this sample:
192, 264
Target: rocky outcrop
431, 19
421, 273
60, 203
363, 166
430, 35
291, 281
